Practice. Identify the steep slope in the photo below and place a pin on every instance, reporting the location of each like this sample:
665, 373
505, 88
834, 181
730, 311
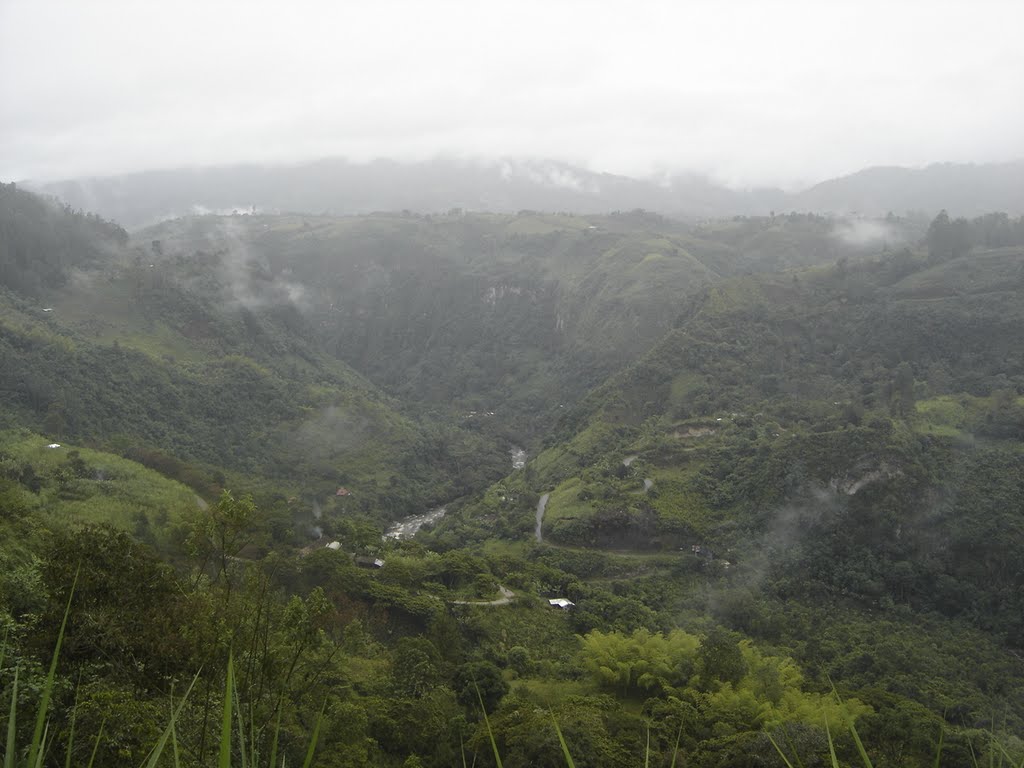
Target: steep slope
159, 361
65, 485
41, 241
829, 461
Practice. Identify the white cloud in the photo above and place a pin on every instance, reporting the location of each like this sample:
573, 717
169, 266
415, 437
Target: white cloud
751, 92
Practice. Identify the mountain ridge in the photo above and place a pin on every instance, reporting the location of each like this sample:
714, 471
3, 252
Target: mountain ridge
340, 187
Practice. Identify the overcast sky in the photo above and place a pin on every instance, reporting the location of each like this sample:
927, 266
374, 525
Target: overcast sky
749, 92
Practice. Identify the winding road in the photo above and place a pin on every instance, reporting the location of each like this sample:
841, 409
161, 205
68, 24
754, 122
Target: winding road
540, 515
506, 598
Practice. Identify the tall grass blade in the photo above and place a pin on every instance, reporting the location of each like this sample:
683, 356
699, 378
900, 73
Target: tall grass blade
561, 740
487, 723
96, 744
831, 746
44, 705
254, 755
71, 732
860, 746
991, 742
792, 747
462, 749
853, 729
12, 720
974, 757
174, 734
241, 725
675, 750
43, 744
316, 737
277, 732
224, 761
779, 750
938, 751
157, 751
1010, 757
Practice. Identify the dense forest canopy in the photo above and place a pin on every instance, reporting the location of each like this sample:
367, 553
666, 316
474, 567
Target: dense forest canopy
770, 470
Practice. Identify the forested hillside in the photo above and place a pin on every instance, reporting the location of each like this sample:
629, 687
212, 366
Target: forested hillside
835, 452
516, 315
765, 488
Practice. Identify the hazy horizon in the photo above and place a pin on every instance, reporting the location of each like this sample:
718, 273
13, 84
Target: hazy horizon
747, 94
495, 162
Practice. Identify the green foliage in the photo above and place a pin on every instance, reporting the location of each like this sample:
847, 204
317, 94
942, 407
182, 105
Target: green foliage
480, 681
73, 485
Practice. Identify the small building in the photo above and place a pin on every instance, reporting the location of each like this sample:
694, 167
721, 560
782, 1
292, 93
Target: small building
369, 562
335, 545
53, 445
561, 602
343, 491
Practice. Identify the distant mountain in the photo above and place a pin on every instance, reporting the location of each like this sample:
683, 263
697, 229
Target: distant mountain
962, 189
340, 187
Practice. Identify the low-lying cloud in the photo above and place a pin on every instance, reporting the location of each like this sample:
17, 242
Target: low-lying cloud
752, 93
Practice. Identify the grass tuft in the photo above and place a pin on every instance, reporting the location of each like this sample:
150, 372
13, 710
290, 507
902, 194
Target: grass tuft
36, 748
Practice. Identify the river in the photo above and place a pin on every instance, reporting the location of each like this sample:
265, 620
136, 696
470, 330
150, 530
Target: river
409, 526
518, 457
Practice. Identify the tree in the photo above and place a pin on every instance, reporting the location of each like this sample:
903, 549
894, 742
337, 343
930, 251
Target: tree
416, 667
481, 677
719, 657
948, 239
903, 390
220, 533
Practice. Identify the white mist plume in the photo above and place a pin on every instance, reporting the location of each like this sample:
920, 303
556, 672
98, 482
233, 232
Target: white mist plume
249, 279
861, 233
